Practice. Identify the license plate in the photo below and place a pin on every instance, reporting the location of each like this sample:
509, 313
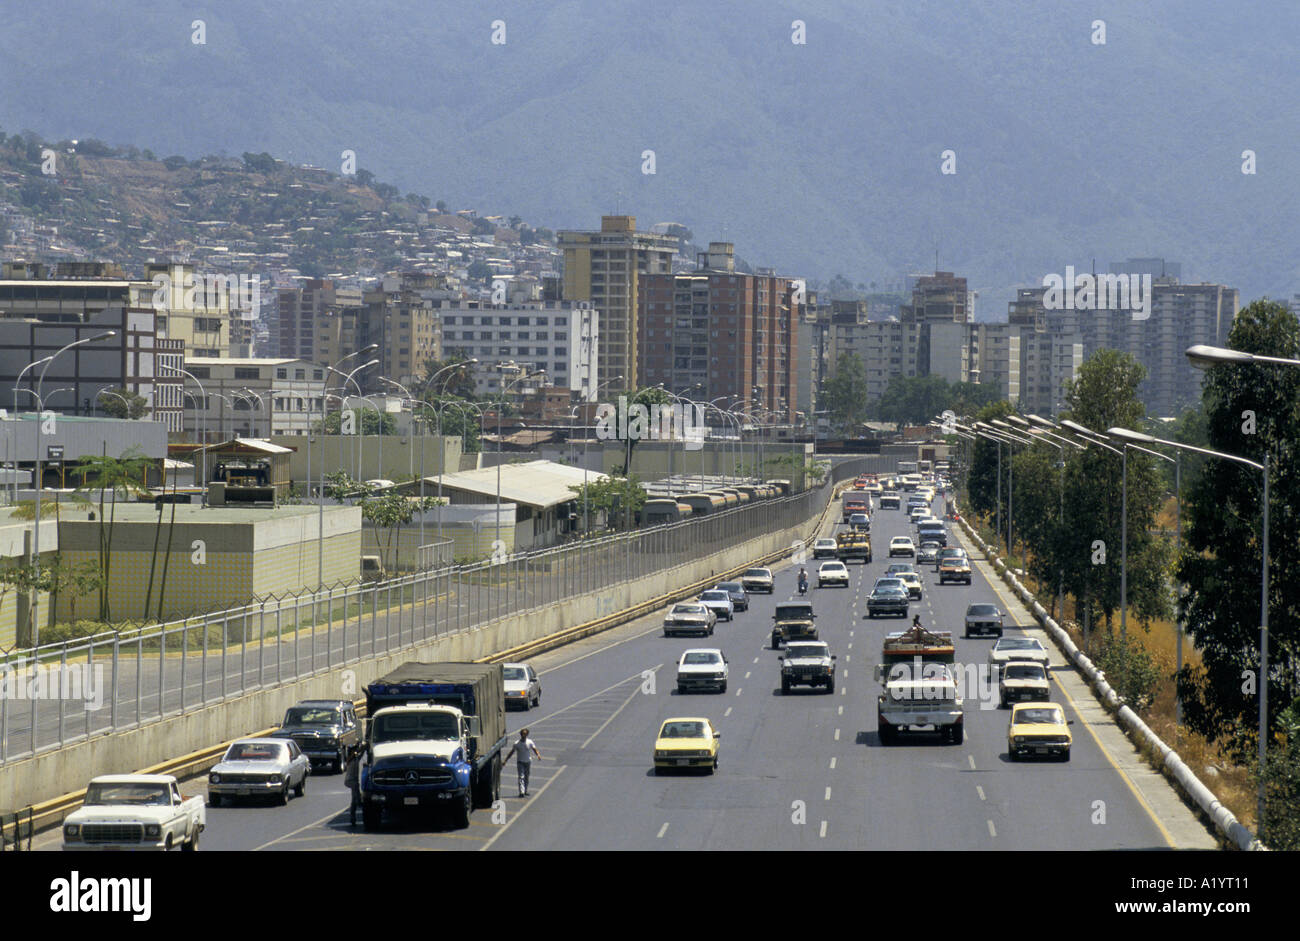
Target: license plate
683, 761
241, 792
411, 801
1041, 749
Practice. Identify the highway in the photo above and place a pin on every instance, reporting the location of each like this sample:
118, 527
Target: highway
802, 771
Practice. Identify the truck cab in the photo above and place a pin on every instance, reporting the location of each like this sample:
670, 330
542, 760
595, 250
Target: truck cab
434, 740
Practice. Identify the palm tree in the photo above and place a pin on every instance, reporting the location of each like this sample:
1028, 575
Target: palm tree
121, 475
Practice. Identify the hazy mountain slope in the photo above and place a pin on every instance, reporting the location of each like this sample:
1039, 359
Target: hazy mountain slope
817, 158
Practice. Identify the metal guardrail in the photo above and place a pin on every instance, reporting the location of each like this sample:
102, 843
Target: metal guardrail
108, 683
1225, 821
15, 827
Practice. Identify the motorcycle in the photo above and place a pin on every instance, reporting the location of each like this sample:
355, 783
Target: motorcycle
803, 586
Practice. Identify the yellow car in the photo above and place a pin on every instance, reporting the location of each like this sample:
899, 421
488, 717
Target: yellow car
687, 743
1039, 728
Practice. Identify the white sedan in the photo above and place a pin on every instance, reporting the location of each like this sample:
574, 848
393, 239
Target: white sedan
901, 545
832, 573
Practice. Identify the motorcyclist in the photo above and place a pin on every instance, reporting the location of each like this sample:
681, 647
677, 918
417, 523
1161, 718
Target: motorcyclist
803, 580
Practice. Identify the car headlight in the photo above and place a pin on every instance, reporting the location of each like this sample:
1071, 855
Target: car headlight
71, 831
153, 831
1019, 739
214, 778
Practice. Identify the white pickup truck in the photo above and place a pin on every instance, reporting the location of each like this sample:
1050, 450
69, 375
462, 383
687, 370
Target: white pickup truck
135, 812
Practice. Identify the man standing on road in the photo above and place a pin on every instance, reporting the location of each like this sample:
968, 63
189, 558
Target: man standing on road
351, 773
523, 751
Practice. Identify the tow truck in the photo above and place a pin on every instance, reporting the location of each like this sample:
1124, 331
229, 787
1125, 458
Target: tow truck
919, 688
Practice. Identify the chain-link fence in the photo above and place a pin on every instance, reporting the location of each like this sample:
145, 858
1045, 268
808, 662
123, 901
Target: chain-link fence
65, 692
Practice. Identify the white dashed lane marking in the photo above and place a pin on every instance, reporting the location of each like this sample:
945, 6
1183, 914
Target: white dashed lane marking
662, 831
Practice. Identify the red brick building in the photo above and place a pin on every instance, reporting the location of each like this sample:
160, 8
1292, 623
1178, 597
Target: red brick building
717, 332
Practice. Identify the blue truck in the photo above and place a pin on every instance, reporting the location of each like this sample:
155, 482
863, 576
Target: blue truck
435, 736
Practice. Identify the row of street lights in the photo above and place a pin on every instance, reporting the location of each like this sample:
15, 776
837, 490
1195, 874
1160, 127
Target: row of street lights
1203, 357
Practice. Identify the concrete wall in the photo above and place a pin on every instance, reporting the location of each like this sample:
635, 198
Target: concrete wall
399, 453
47, 776
240, 557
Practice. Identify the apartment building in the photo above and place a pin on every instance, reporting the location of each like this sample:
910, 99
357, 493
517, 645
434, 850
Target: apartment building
402, 320
606, 269
716, 332
560, 337
254, 398
40, 314
1180, 316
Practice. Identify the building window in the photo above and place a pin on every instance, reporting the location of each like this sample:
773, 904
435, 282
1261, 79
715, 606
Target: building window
284, 373
247, 372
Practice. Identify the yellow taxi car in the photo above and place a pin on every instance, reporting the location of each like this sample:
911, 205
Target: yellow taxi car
687, 743
1039, 728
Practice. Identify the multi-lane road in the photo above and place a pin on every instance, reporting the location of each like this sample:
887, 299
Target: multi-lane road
800, 771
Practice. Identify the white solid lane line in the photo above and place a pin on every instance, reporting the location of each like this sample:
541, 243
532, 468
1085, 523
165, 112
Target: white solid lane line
531, 803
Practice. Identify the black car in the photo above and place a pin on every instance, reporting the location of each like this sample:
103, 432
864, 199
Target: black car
739, 597
323, 728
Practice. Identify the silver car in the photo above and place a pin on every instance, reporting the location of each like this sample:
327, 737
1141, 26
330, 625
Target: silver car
259, 767
523, 688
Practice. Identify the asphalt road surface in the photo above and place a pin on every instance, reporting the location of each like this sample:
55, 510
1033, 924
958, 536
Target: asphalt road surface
798, 771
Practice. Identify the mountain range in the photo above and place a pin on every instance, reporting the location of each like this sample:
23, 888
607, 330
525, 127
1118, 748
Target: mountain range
816, 158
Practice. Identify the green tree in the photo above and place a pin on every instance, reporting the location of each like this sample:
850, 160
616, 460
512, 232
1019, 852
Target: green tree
110, 402
1250, 411
454, 383
619, 498
983, 479
913, 400
369, 422
122, 477
455, 421
845, 395
391, 511
1104, 395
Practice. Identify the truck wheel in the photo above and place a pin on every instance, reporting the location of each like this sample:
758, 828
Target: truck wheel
462, 812
214, 800
192, 844
371, 816
723, 687
886, 734
776, 641
487, 784
1065, 755
830, 685
958, 734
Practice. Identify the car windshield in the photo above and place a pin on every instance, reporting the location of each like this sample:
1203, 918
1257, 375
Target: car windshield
411, 726
826, 543
715, 596
832, 566
679, 729
254, 751
516, 673
793, 612
1018, 643
144, 794
898, 568
758, 573
701, 656
889, 583
303, 715
1041, 716
688, 609
982, 610
884, 590
807, 650
1025, 671
731, 587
